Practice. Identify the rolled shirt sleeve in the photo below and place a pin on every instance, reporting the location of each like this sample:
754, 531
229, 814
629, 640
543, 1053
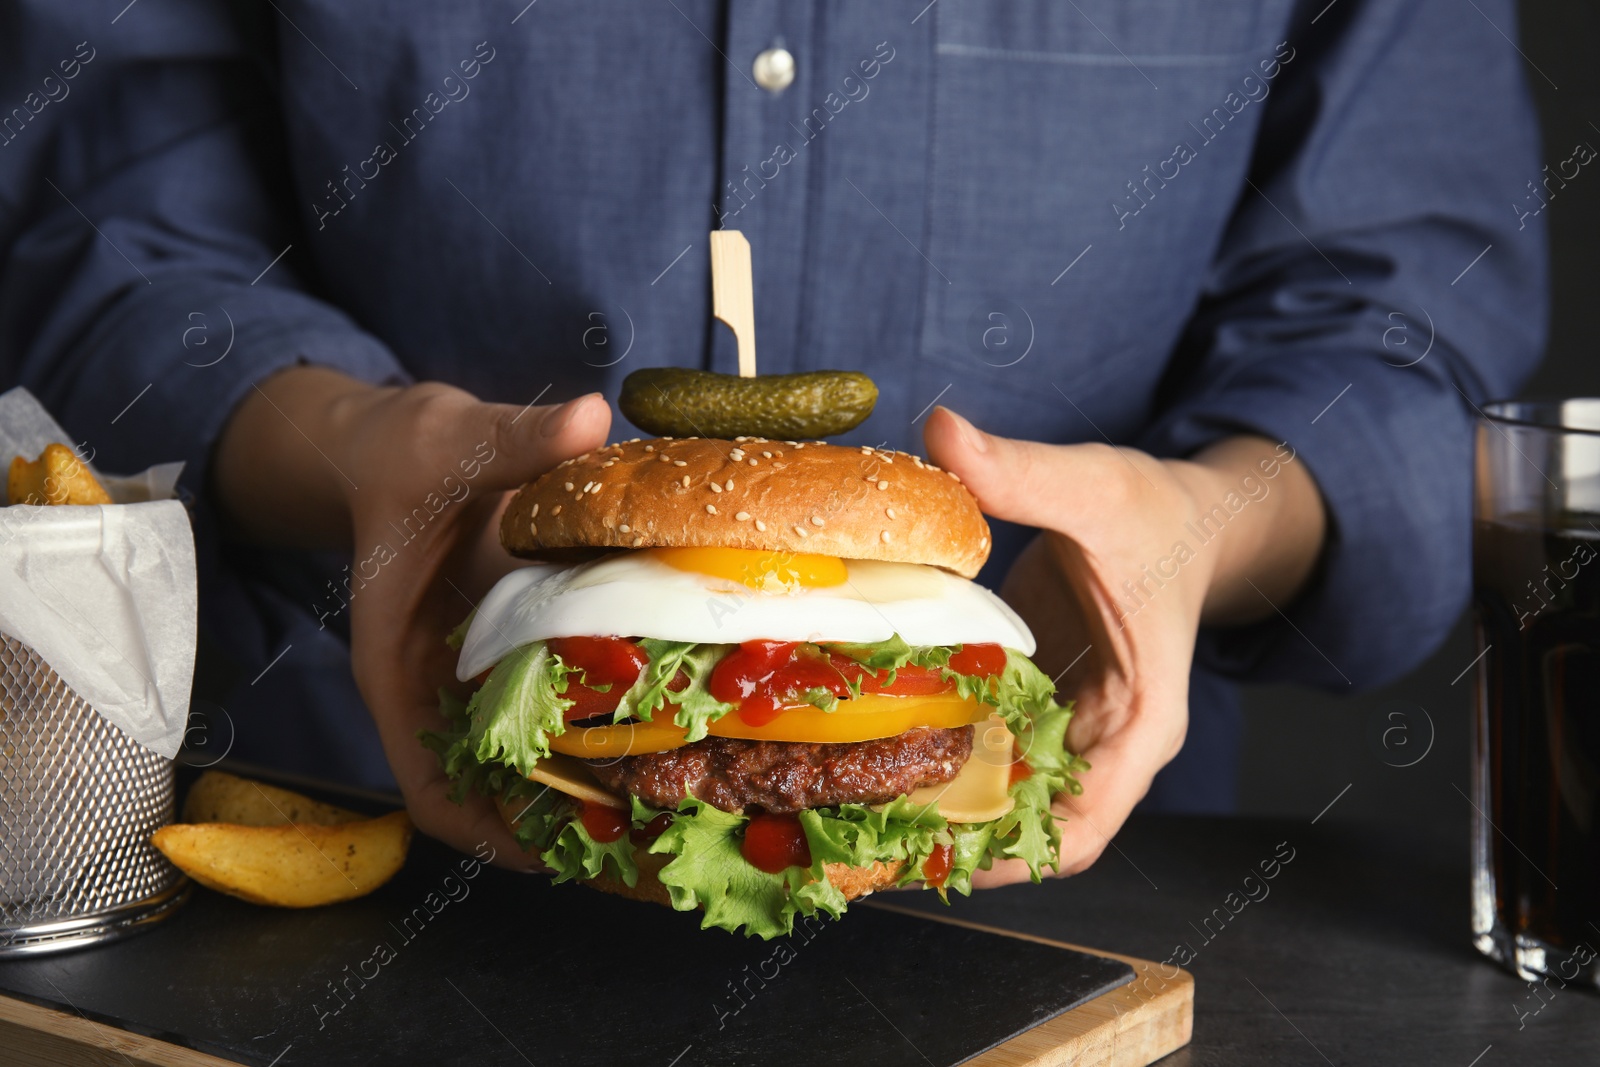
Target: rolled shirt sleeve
1383, 275
154, 281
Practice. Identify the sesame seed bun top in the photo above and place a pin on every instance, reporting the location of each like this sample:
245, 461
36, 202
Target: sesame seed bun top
851, 502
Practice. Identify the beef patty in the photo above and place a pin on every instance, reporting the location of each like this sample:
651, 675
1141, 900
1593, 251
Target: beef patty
788, 776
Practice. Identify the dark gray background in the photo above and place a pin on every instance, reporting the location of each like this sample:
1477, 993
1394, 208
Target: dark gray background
1303, 747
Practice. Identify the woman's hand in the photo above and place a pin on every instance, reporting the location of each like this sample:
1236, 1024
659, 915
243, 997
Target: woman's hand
414, 479
1118, 581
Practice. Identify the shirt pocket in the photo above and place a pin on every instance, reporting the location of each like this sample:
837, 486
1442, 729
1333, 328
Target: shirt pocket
1046, 117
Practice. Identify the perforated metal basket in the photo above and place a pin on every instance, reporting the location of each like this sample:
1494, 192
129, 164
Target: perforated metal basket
78, 802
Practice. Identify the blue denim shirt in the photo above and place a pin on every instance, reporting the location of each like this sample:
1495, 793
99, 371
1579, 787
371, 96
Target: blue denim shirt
1151, 222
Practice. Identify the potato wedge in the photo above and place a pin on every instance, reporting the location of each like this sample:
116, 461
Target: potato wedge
58, 476
293, 865
217, 796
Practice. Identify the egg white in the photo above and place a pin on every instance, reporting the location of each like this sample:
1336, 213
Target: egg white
635, 594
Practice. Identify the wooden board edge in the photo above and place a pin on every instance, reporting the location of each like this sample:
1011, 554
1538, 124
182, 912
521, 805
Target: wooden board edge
1130, 1026
35, 1036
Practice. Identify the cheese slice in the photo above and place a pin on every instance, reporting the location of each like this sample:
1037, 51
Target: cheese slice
567, 775
981, 791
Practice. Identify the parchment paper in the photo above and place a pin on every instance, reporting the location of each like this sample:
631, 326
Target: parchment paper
105, 594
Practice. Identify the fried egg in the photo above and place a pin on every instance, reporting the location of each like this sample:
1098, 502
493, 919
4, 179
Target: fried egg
729, 595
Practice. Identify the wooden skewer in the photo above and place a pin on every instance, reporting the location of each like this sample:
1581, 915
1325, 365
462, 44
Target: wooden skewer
732, 294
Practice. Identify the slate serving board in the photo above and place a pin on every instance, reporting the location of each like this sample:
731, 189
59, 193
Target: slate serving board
460, 963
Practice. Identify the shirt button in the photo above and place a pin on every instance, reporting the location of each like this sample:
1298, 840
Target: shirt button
774, 70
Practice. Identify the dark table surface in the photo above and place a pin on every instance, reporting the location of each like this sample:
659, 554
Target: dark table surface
1356, 953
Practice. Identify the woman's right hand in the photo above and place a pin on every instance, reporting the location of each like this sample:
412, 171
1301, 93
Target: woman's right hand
413, 478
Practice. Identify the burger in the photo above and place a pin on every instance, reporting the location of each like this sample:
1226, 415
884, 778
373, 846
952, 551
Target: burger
755, 678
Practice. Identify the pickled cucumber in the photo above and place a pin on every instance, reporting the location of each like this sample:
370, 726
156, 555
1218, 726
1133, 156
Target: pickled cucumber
677, 402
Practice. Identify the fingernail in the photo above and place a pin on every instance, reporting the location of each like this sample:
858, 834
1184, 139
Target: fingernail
975, 438
561, 417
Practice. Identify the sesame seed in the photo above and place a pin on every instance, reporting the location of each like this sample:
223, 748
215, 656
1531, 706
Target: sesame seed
866, 450
625, 528
741, 438
591, 487
534, 514
766, 455
918, 461
800, 530
649, 448
556, 510
889, 512
686, 481
715, 488
816, 520
884, 537
752, 463
954, 475
933, 468
665, 458
711, 509
533, 530
729, 485
736, 455
743, 516
761, 525
883, 485
568, 487
637, 541
887, 457
679, 463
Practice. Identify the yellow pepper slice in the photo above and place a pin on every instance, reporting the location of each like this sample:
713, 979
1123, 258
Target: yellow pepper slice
861, 719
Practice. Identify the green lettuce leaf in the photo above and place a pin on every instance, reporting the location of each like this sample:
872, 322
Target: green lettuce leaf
547, 822
696, 708
519, 708
707, 871
508, 723
458, 637
894, 653
1029, 832
970, 850
820, 698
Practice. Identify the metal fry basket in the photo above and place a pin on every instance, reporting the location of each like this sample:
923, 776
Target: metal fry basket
78, 803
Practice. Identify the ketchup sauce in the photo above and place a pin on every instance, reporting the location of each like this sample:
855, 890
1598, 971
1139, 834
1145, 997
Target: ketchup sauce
774, 843
936, 868
983, 661
612, 661
651, 830
604, 824
762, 678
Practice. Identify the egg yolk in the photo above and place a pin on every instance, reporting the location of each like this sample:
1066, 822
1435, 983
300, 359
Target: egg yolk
762, 570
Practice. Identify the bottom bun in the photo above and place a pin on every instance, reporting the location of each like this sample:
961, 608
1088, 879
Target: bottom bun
853, 882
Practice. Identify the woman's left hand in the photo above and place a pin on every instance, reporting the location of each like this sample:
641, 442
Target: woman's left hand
1116, 585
